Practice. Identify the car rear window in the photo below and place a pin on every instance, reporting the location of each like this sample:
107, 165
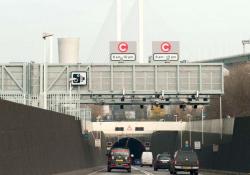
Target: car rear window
183, 155
164, 158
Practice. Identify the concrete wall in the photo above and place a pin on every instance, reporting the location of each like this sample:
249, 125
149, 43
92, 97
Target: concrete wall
233, 153
38, 142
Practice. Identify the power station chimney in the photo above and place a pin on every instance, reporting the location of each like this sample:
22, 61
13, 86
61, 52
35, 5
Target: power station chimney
68, 50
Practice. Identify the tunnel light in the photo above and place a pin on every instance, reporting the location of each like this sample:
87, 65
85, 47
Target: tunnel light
183, 107
190, 99
157, 96
123, 98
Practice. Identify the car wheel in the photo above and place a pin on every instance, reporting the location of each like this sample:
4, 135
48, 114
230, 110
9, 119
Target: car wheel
129, 170
109, 169
155, 169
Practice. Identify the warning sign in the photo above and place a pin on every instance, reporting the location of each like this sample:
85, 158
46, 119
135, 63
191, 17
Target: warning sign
129, 128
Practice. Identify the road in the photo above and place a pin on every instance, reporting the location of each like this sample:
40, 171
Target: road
136, 170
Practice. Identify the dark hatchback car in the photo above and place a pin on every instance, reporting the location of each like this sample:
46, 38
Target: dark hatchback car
119, 158
185, 160
162, 161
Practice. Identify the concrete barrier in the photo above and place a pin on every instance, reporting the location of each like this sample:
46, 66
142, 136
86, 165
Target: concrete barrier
39, 142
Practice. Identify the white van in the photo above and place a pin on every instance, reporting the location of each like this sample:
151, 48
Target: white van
147, 159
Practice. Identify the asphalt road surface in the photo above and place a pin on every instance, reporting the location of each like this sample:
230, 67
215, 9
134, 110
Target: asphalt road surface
137, 170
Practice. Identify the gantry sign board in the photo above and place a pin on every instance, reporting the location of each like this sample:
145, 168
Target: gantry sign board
165, 51
207, 78
122, 51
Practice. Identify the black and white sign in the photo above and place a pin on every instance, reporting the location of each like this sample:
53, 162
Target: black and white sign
79, 78
124, 57
197, 145
165, 57
98, 143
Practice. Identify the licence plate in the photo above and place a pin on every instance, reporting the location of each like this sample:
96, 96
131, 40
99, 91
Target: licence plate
187, 167
118, 160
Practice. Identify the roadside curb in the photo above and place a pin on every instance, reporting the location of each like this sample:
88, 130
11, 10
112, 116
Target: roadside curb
81, 171
224, 172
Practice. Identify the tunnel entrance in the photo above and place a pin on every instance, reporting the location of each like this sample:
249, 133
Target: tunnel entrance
135, 146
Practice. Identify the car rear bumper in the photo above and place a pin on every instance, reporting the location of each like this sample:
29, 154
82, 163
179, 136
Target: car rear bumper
186, 168
162, 166
122, 166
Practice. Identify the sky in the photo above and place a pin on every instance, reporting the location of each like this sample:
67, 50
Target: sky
206, 29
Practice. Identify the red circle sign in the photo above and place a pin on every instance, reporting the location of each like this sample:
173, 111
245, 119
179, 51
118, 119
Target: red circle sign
166, 47
123, 47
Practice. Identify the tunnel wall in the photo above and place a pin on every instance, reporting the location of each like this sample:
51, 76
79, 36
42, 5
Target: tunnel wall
39, 142
234, 150
164, 141
233, 153
232, 156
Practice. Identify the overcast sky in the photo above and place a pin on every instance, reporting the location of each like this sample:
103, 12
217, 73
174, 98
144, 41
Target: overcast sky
205, 28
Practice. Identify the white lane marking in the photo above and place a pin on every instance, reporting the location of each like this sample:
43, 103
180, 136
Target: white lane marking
96, 171
142, 171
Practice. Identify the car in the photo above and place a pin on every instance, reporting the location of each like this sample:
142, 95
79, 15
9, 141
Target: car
162, 161
119, 158
147, 159
185, 160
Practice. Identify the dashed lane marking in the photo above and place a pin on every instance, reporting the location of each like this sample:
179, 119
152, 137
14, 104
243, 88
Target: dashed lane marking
95, 172
143, 171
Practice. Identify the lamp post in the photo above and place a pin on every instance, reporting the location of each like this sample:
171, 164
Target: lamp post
181, 132
190, 130
45, 36
70, 91
244, 42
202, 126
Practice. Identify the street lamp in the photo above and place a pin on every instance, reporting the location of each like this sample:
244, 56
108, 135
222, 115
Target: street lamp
190, 130
244, 42
50, 36
70, 90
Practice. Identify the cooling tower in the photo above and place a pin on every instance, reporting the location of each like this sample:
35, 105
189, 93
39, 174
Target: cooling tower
68, 50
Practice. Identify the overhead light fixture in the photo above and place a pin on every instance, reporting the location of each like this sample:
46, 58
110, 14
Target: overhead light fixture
205, 99
190, 99
123, 98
